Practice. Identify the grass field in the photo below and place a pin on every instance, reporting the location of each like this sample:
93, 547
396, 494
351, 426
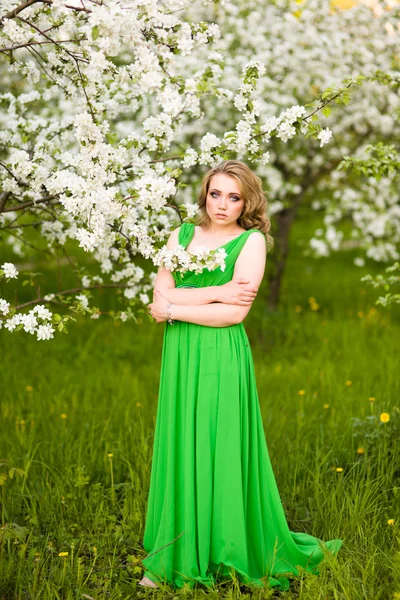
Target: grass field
77, 423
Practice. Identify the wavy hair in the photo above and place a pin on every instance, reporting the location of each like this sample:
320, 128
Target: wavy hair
254, 214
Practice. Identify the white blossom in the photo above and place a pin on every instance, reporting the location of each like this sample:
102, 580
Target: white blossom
324, 135
45, 332
83, 300
10, 270
42, 312
4, 306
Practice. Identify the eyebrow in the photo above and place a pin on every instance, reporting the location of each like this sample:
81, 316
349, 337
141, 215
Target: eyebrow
215, 190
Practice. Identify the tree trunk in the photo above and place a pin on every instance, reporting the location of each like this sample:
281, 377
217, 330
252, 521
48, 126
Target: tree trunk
284, 220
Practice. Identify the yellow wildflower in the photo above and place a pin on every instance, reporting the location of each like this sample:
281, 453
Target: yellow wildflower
110, 455
348, 382
314, 306
360, 450
138, 404
371, 399
298, 308
326, 405
301, 392
339, 469
63, 554
385, 417
391, 522
342, 4
29, 388
64, 416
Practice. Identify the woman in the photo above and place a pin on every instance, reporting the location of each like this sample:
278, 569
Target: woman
213, 505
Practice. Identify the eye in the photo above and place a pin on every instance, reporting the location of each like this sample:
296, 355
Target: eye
235, 198
214, 194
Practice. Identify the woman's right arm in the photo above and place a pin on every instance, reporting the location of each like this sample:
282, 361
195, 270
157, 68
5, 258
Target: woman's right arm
165, 283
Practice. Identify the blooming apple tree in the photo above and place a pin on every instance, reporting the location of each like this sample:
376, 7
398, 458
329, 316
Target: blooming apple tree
308, 47
107, 111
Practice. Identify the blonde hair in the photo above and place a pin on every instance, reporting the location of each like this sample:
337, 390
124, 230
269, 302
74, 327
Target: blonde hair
255, 203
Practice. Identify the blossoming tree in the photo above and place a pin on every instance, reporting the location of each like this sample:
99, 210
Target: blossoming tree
309, 47
108, 110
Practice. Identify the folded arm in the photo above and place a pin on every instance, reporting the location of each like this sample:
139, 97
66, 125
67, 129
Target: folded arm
249, 264
213, 315
165, 283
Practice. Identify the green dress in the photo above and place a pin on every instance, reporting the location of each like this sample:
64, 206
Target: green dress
211, 477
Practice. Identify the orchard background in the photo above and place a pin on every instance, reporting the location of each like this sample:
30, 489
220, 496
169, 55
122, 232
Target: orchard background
110, 114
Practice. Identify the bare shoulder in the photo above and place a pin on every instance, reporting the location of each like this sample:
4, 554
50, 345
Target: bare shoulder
253, 255
251, 261
173, 239
255, 241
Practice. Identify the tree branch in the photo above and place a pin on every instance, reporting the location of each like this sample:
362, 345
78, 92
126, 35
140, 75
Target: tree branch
74, 290
13, 13
21, 225
27, 204
3, 199
21, 183
11, 48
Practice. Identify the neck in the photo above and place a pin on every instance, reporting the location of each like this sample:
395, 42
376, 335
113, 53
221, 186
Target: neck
217, 230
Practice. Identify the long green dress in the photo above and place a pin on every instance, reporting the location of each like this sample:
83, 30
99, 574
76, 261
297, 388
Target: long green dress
211, 477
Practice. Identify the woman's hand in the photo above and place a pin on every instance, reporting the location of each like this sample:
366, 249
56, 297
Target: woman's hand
158, 308
237, 291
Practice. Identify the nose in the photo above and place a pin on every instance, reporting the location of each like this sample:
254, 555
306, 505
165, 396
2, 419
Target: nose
222, 204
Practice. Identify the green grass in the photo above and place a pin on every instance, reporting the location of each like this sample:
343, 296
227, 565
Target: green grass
94, 393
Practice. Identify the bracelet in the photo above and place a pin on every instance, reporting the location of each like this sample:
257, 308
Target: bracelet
169, 317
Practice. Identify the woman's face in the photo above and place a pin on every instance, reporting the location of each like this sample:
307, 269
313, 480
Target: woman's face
224, 203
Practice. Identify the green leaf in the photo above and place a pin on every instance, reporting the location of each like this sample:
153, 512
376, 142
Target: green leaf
326, 93
327, 111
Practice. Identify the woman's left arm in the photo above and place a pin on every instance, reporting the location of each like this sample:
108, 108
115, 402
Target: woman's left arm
250, 264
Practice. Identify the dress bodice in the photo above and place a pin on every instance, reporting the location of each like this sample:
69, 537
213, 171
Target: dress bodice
207, 277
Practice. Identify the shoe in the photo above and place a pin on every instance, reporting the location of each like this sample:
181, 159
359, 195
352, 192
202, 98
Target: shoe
146, 582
